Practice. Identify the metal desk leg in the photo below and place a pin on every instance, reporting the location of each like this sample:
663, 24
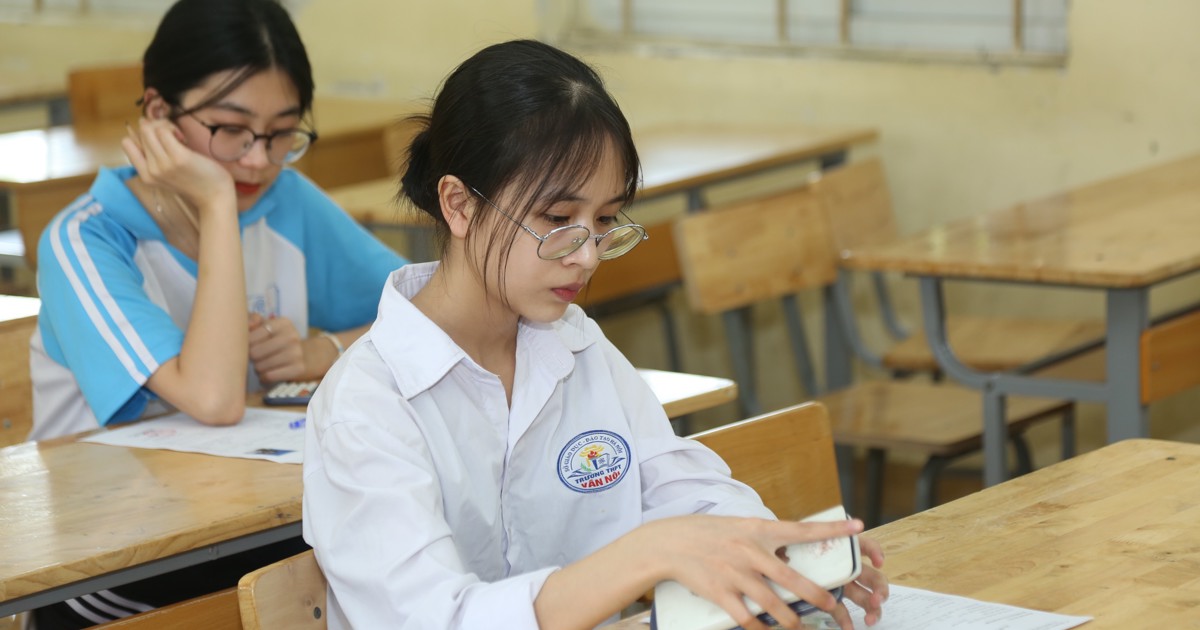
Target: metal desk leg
1128, 317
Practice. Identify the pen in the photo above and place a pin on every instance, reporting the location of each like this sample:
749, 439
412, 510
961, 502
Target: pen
296, 424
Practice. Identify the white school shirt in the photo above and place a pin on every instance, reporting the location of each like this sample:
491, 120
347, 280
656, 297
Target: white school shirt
432, 504
117, 298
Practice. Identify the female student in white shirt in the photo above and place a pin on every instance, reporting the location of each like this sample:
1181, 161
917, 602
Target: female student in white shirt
483, 457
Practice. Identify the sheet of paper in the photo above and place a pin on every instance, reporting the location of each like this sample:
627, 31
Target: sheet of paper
269, 434
917, 609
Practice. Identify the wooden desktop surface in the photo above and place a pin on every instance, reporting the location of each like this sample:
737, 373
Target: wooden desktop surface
73, 510
1113, 534
677, 158
1133, 230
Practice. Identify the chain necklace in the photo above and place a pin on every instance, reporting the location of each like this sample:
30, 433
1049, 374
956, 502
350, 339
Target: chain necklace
188, 237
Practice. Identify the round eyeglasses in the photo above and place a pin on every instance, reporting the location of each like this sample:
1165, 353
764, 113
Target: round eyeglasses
229, 143
563, 241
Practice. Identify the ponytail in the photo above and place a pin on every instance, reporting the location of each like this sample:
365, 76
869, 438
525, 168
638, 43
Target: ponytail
418, 183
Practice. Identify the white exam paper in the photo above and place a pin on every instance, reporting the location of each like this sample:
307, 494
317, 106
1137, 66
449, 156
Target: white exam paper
916, 609
269, 434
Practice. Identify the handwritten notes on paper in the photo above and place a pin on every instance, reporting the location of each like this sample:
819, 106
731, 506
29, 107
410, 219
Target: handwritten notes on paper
269, 434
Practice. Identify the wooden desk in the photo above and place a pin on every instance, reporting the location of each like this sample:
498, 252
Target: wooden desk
1122, 236
686, 158
43, 170
675, 159
77, 517
681, 394
1080, 537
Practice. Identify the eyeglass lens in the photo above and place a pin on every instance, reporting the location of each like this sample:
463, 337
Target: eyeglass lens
562, 241
231, 143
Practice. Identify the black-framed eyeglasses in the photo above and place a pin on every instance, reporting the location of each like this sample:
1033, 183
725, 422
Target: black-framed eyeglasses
229, 143
563, 241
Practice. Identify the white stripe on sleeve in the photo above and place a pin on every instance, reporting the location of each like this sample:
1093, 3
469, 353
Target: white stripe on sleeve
82, 294
114, 311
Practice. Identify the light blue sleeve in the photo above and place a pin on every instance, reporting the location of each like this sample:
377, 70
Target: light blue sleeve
96, 319
346, 265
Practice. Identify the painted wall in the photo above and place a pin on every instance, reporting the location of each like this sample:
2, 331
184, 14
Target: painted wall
956, 139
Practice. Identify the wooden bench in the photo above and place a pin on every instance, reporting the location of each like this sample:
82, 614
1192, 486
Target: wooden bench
770, 248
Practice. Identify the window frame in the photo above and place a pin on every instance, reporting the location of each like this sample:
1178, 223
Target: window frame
564, 26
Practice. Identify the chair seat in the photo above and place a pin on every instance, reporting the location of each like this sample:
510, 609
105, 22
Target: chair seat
995, 344
933, 419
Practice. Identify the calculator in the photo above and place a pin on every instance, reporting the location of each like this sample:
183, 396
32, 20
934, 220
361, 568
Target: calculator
290, 393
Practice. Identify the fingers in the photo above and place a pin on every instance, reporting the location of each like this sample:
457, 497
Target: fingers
276, 349
734, 606
872, 550
791, 532
870, 591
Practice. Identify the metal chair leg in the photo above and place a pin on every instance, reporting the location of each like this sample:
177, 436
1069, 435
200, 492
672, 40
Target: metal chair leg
927, 482
1024, 455
1068, 433
876, 458
737, 331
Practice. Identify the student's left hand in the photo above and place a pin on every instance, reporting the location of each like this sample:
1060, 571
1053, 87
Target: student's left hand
280, 354
870, 590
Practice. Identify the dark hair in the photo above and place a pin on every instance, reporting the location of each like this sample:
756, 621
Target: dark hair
521, 114
198, 38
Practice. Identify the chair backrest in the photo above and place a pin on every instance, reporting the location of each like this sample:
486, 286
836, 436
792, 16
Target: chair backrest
653, 264
36, 207
857, 203
397, 137
104, 93
18, 320
1169, 363
787, 456
287, 594
755, 250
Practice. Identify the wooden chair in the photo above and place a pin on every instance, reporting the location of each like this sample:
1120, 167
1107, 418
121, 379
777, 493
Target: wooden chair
786, 456
773, 247
215, 611
859, 212
290, 593
104, 93
18, 320
643, 277
1170, 357
36, 207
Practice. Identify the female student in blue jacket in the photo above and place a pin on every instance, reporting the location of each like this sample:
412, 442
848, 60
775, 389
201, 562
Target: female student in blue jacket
188, 278
206, 262
483, 457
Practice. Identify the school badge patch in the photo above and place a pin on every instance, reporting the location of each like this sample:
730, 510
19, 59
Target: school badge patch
593, 461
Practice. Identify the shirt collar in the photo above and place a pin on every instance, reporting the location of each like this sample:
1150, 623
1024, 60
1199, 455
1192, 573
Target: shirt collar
419, 353
119, 202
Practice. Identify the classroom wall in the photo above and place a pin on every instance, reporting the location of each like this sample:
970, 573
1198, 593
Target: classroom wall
956, 139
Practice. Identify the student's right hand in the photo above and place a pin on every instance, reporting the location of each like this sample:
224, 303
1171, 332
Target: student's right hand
724, 558
156, 149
